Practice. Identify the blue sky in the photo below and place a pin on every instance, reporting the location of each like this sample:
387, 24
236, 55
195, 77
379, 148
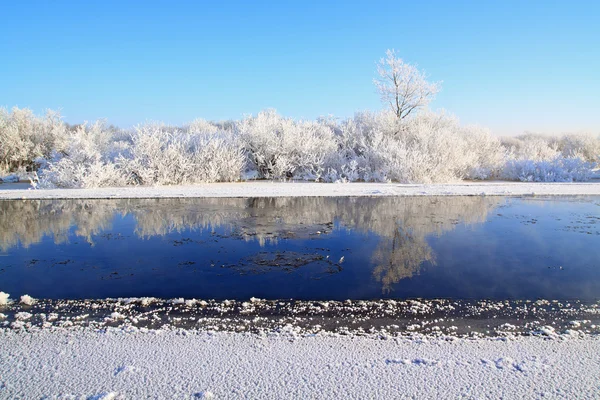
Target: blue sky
509, 65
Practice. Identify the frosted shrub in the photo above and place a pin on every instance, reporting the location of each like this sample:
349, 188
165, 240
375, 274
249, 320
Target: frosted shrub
538, 158
449, 151
355, 158
487, 156
431, 147
219, 157
87, 161
158, 156
583, 145
531, 147
560, 169
201, 125
436, 150
280, 147
25, 137
154, 157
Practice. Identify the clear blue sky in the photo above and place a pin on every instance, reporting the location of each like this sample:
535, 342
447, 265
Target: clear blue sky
509, 65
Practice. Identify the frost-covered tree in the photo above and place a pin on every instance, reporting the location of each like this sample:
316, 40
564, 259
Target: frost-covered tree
25, 136
402, 86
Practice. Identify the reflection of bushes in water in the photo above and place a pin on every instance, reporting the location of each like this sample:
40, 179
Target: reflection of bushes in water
158, 217
27, 222
259, 219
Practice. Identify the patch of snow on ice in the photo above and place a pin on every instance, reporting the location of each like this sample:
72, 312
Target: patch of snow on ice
191, 303
28, 300
143, 301
4, 298
23, 316
115, 316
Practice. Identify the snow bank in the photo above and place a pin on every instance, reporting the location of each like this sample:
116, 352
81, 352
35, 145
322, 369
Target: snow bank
170, 364
311, 189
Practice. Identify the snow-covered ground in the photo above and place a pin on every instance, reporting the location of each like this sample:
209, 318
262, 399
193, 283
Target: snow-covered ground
68, 364
284, 189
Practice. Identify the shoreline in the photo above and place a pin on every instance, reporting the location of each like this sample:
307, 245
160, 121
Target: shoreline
305, 189
380, 318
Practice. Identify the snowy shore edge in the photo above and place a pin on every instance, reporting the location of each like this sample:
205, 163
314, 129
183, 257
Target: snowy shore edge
299, 189
94, 350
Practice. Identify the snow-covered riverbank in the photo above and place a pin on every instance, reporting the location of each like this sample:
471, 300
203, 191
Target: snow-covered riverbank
68, 364
285, 189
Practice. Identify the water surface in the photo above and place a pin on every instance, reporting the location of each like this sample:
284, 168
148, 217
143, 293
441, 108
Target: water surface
303, 248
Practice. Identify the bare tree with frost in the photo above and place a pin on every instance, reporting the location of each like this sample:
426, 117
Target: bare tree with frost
402, 86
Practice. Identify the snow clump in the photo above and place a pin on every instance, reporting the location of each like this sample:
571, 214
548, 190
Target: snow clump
4, 298
28, 300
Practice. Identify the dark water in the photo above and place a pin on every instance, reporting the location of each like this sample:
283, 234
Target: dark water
303, 248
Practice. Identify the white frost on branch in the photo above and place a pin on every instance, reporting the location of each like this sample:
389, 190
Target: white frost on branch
402, 86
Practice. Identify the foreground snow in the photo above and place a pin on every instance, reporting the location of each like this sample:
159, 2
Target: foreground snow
286, 189
64, 363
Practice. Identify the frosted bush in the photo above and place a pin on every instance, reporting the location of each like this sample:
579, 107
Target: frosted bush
158, 156
436, 150
531, 147
86, 162
580, 145
202, 125
539, 158
153, 154
219, 157
560, 169
487, 156
25, 137
280, 147
431, 147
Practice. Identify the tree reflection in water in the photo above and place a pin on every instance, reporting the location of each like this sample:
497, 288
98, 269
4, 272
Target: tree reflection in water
400, 257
